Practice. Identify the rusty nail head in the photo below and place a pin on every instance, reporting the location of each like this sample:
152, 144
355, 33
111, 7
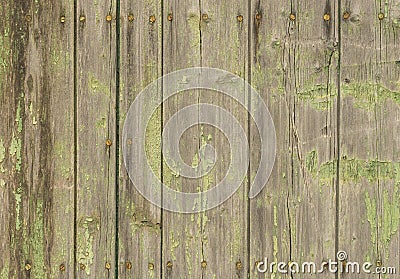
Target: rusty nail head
292, 17
128, 265
203, 264
82, 18
239, 265
62, 19
327, 17
28, 266
204, 16
108, 265
62, 267
108, 142
170, 17
109, 18
82, 266
131, 17
346, 15
151, 266
381, 16
169, 264
378, 263
28, 18
258, 16
240, 18
152, 18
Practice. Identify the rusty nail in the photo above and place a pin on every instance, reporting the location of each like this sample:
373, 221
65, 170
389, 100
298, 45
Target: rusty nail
240, 18
28, 18
381, 16
128, 265
239, 265
82, 18
109, 18
170, 17
256, 263
62, 19
82, 266
292, 17
378, 263
169, 265
108, 142
346, 15
327, 17
62, 267
108, 265
28, 267
258, 16
151, 266
204, 16
152, 18
131, 17
203, 264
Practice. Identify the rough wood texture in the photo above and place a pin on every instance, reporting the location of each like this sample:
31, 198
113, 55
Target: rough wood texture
96, 134
182, 234
36, 140
139, 220
328, 71
225, 227
369, 162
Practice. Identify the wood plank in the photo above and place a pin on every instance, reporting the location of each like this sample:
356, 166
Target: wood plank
139, 220
224, 45
369, 191
182, 235
96, 139
294, 67
37, 141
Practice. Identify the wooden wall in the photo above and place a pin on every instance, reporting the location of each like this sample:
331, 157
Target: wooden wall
329, 72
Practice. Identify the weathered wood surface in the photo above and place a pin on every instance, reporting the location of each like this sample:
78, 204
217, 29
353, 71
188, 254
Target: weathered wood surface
96, 139
369, 135
328, 72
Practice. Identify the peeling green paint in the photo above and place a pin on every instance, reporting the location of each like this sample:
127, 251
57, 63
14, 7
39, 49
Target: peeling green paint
96, 86
4, 272
37, 244
85, 254
15, 150
18, 201
371, 216
153, 142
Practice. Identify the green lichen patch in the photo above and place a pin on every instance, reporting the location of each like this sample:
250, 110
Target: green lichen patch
85, 253
96, 86
37, 244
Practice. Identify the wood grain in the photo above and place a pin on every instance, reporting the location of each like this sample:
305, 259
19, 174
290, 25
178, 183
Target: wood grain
96, 134
139, 220
36, 142
369, 195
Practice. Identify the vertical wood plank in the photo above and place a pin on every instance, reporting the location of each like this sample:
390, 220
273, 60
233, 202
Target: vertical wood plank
36, 142
294, 69
139, 220
369, 190
224, 45
96, 127
182, 235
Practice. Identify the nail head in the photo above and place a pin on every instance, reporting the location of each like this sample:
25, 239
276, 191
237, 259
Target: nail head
62, 267
82, 18
28, 18
131, 17
169, 264
378, 263
170, 17
151, 266
204, 16
239, 265
203, 264
28, 267
327, 17
62, 19
128, 265
381, 16
82, 266
346, 15
109, 18
240, 18
292, 17
152, 18
258, 16
108, 142
108, 265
